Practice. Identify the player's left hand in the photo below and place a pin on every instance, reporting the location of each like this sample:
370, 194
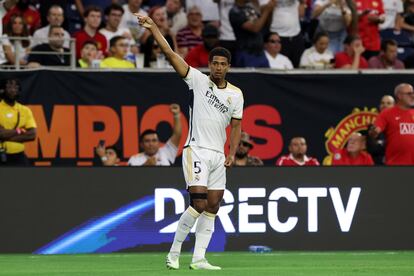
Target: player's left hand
175, 109
229, 161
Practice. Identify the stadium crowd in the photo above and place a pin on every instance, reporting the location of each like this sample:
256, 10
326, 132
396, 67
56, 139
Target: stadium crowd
279, 34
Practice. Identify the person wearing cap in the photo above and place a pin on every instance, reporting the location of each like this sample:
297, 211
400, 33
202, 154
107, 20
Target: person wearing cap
198, 56
242, 154
297, 154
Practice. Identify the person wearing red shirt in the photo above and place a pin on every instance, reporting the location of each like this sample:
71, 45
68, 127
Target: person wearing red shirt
351, 57
370, 15
29, 13
92, 18
397, 123
297, 156
354, 153
198, 56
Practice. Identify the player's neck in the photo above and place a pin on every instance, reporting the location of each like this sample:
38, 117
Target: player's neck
220, 83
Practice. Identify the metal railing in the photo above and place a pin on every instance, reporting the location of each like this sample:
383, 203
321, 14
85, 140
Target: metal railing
15, 40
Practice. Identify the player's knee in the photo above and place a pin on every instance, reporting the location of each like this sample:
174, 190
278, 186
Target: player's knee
212, 208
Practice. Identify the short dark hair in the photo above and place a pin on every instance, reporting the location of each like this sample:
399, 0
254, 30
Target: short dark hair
52, 27
4, 82
145, 133
221, 52
90, 42
388, 42
115, 149
113, 7
90, 9
55, 7
351, 38
318, 36
114, 40
267, 36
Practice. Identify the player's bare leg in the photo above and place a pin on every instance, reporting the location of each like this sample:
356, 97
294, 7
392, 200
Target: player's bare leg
198, 198
205, 229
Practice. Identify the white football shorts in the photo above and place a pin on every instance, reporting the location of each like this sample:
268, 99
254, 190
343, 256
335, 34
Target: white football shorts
204, 167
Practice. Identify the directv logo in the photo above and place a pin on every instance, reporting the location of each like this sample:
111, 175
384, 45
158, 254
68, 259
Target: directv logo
344, 209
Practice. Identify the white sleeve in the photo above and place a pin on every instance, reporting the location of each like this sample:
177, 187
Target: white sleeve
289, 64
400, 8
304, 60
169, 150
193, 78
238, 109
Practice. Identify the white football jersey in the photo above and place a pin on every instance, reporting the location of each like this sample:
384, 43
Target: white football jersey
211, 110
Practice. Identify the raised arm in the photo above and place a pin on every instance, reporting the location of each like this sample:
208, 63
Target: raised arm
177, 128
180, 66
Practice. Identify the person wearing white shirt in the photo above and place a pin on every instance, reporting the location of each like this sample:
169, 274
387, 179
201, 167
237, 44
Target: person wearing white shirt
55, 17
177, 18
227, 37
153, 154
272, 50
286, 22
113, 14
318, 56
393, 14
129, 20
208, 8
334, 18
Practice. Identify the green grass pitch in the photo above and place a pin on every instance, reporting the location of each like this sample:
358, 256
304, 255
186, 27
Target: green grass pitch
233, 263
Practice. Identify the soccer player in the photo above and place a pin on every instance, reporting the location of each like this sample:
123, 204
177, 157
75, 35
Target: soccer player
215, 103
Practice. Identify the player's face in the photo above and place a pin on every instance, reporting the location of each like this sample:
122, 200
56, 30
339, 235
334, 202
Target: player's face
386, 102
298, 147
219, 66
150, 144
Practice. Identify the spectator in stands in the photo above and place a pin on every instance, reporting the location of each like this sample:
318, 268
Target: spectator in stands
387, 59
118, 49
198, 56
272, 49
176, 17
16, 28
393, 15
109, 156
59, 55
286, 22
242, 154
30, 14
209, 11
370, 15
17, 125
55, 17
319, 56
376, 146
397, 123
334, 18
93, 18
157, 14
354, 153
190, 36
129, 20
5, 5
113, 15
90, 56
247, 24
153, 154
227, 37
408, 21
82, 5
351, 57
297, 154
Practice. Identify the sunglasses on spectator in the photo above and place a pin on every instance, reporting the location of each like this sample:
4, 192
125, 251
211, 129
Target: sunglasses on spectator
245, 144
274, 41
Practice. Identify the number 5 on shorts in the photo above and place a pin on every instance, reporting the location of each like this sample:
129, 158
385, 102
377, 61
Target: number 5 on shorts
197, 168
